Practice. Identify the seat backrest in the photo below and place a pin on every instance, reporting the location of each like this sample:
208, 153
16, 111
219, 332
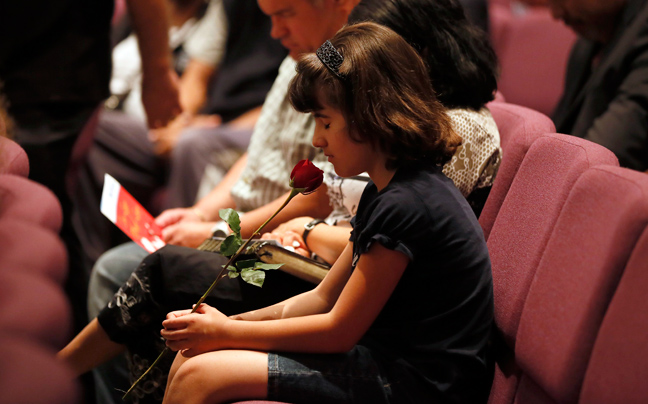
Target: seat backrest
602, 220
31, 374
527, 217
21, 198
34, 308
13, 159
518, 127
532, 49
618, 367
28, 247
521, 231
35, 314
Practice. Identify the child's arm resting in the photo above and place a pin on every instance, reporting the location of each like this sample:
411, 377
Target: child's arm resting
317, 301
338, 330
199, 332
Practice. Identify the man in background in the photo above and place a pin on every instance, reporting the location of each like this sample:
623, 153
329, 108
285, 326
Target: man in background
606, 87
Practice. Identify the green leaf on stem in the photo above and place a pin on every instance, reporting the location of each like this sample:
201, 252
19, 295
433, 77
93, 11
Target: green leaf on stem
231, 217
266, 267
231, 245
232, 272
253, 277
243, 264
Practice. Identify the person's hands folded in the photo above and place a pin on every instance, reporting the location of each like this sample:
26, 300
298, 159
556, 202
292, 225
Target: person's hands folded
187, 234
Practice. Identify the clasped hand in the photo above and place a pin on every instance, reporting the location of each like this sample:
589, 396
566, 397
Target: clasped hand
181, 226
194, 333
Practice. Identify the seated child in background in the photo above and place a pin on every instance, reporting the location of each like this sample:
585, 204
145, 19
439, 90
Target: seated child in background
405, 313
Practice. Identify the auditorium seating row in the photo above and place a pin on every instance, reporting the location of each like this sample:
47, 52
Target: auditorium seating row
34, 311
567, 230
532, 49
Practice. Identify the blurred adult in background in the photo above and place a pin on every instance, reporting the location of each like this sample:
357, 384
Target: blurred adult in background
606, 85
228, 62
184, 18
55, 68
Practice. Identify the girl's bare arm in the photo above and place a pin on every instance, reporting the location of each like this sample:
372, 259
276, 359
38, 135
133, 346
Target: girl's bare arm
338, 330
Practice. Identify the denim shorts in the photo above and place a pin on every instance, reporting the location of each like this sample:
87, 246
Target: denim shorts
352, 377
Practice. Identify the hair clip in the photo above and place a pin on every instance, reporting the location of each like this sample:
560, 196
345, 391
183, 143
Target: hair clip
330, 57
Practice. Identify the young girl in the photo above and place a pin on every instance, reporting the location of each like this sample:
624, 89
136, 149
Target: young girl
404, 315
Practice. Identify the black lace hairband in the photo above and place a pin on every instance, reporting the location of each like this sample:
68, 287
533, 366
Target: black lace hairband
331, 58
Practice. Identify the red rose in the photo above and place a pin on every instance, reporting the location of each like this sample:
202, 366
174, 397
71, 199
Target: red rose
307, 176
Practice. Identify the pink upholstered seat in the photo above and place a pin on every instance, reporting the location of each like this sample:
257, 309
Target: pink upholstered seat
21, 198
527, 217
34, 311
532, 49
27, 247
618, 368
13, 159
522, 228
601, 221
30, 374
35, 308
518, 127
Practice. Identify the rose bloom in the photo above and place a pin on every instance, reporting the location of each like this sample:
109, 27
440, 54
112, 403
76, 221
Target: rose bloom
306, 175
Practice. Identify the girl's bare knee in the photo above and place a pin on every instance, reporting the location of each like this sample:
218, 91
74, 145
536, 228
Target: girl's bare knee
219, 377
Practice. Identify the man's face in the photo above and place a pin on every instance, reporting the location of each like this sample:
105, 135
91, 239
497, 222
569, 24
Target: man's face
303, 25
592, 19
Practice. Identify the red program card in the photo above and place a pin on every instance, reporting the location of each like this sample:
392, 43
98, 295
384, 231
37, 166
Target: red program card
122, 209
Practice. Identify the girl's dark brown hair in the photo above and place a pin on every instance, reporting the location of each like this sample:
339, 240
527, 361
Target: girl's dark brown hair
385, 95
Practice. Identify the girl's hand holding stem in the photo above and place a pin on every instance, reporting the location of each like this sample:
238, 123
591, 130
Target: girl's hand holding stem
194, 333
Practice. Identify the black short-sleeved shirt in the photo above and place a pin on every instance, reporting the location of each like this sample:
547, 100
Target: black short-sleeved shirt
433, 332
